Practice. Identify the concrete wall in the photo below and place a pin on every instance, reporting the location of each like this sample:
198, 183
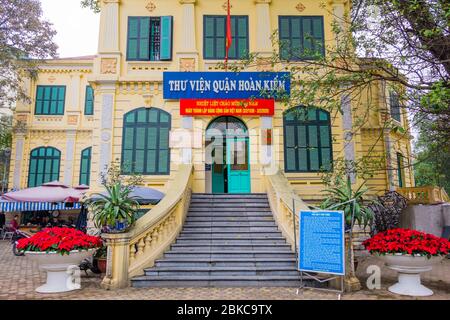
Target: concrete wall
426, 218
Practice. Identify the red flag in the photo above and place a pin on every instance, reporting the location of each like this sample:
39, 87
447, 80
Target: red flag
229, 38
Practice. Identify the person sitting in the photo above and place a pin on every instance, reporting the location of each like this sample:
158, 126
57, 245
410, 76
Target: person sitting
14, 224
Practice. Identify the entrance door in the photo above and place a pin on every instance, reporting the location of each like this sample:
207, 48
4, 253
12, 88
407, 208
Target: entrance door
238, 165
229, 171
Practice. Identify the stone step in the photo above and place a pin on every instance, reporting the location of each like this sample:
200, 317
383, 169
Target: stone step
231, 213
223, 244
215, 219
229, 248
219, 230
222, 271
228, 196
228, 224
231, 235
237, 210
229, 254
215, 242
232, 200
217, 281
219, 204
226, 262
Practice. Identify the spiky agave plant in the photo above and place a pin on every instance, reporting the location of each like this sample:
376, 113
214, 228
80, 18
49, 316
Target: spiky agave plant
342, 197
115, 206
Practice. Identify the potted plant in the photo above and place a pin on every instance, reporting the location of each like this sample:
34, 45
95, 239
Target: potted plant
409, 252
114, 212
342, 197
100, 259
57, 250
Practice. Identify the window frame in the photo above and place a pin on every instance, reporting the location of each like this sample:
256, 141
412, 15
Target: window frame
300, 17
88, 172
44, 159
400, 172
393, 94
310, 123
86, 101
50, 101
225, 36
146, 125
149, 37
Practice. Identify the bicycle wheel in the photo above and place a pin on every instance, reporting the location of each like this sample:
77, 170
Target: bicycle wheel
16, 252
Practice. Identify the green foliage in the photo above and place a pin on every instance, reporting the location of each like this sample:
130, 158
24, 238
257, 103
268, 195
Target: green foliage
432, 154
91, 4
342, 197
25, 39
116, 205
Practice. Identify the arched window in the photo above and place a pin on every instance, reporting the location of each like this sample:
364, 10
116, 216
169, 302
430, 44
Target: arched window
307, 140
145, 146
44, 166
85, 166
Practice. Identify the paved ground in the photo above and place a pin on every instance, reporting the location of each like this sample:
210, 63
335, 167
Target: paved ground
19, 277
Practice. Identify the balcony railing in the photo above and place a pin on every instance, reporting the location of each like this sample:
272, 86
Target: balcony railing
424, 195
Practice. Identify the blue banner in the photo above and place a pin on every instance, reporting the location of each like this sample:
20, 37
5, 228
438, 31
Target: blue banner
226, 85
322, 243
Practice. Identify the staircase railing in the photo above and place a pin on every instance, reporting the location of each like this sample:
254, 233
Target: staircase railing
281, 199
129, 253
424, 195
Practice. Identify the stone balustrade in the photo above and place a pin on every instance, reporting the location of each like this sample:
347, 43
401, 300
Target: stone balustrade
129, 253
424, 195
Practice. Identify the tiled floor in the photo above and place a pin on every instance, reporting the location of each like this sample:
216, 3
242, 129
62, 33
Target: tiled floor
19, 277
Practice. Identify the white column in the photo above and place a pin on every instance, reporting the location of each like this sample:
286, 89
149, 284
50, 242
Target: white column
188, 40
20, 139
74, 104
109, 27
106, 125
70, 150
347, 125
263, 27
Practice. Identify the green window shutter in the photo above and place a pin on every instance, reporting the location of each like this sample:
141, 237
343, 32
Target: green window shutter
44, 166
145, 146
89, 101
143, 41
50, 100
318, 36
39, 99
166, 38
214, 37
395, 106
400, 170
85, 166
301, 37
132, 40
307, 144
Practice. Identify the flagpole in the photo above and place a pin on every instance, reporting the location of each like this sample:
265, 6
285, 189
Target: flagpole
228, 36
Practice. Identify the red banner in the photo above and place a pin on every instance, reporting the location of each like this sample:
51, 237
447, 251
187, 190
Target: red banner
227, 107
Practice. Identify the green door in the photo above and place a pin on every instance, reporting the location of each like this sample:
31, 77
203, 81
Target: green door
238, 165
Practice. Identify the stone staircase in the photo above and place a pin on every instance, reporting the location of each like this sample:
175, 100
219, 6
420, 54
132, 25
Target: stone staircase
227, 241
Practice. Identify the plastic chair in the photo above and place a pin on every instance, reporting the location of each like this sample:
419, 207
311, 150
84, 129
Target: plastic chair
8, 232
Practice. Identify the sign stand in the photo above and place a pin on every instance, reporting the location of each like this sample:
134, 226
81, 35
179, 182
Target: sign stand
303, 286
313, 275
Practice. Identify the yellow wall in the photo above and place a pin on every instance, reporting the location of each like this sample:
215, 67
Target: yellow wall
139, 84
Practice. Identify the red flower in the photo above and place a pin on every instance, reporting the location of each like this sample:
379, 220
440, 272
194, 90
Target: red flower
60, 240
407, 241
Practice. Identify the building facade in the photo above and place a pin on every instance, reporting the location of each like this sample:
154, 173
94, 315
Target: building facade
86, 112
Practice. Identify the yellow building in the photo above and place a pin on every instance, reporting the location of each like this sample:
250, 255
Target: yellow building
86, 112
75, 122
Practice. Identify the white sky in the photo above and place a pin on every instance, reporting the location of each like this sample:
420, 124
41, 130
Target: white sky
77, 28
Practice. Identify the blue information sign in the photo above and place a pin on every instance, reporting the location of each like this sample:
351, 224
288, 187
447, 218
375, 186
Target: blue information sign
322, 244
226, 85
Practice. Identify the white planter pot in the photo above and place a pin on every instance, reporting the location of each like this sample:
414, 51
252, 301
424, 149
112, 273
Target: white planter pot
409, 269
60, 269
